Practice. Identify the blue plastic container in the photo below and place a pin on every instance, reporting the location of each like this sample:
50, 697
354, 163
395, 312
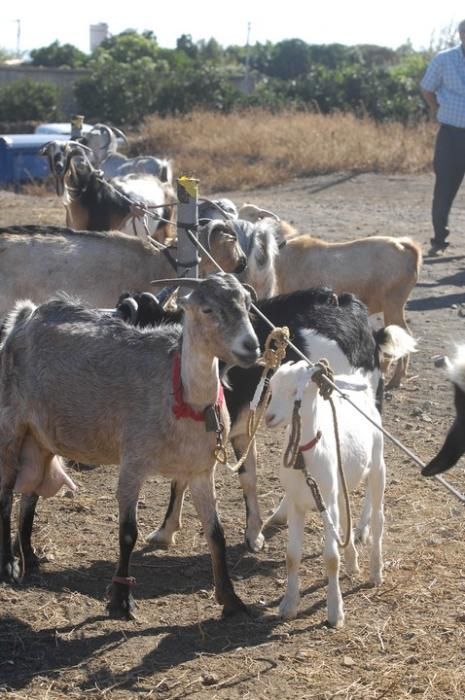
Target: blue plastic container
20, 161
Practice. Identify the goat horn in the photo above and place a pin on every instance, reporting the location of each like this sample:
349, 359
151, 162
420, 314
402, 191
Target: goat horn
104, 129
131, 306
78, 144
121, 134
178, 281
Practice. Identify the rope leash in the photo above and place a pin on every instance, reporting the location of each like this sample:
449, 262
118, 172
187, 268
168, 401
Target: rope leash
294, 451
273, 355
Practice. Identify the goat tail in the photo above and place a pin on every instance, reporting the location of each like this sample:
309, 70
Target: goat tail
415, 248
17, 317
394, 342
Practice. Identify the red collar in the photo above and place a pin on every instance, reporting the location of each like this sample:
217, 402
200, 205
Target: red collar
181, 409
311, 444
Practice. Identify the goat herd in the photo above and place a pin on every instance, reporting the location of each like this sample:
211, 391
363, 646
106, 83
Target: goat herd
101, 375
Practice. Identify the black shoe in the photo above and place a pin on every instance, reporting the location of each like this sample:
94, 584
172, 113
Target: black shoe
437, 249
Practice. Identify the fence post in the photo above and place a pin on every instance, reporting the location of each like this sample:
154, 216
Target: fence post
77, 121
187, 258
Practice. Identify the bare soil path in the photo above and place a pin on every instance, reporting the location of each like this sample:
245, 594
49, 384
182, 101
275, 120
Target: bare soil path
405, 639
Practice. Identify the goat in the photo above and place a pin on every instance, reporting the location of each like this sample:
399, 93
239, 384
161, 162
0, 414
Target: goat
454, 444
361, 456
102, 140
216, 209
260, 247
94, 204
380, 270
38, 261
57, 153
320, 324
93, 389
250, 212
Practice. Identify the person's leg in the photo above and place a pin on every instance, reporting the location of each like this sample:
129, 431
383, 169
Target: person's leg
449, 169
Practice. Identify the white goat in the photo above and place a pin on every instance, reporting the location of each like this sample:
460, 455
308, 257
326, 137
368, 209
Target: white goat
380, 270
96, 390
362, 456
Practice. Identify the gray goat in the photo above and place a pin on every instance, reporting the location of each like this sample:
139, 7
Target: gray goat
103, 142
96, 390
259, 240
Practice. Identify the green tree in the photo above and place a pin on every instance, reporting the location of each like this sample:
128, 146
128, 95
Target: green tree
129, 46
290, 58
6, 54
120, 93
26, 100
201, 87
185, 44
57, 55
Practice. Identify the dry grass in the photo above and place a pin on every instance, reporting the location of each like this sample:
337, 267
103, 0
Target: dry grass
257, 148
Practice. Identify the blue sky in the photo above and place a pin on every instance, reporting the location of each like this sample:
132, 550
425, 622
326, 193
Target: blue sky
357, 21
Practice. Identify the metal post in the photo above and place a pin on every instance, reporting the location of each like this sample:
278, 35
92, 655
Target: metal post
77, 120
187, 258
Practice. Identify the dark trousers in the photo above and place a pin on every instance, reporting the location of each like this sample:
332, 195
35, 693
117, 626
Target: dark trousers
449, 168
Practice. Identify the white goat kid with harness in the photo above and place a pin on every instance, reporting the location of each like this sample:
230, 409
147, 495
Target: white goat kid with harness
361, 453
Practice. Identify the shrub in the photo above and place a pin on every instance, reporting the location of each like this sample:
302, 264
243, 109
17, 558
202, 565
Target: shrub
26, 100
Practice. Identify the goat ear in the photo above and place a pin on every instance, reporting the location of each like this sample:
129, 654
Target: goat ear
43, 150
251, 291
184, 302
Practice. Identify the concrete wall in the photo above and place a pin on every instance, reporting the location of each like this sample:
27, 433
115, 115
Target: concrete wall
62, 78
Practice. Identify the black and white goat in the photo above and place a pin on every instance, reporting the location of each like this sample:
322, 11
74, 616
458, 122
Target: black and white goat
361, 453
454, 444
94, 389
321, 325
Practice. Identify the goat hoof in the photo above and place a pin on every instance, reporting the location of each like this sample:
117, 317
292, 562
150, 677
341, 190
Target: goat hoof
233, 606
288, 609
11, 571
158, 538
336, 623
376, 579
121, 604
433, 468
31, 560
255, 544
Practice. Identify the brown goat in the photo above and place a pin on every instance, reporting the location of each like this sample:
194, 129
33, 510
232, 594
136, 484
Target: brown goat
380, 270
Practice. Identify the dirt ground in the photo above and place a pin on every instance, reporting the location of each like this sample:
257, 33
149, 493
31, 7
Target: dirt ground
405, 639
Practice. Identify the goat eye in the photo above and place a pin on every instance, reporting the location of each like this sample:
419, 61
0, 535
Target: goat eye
206, 310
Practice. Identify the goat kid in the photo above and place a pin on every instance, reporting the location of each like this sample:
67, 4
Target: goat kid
454, 444
96, 390
361, 457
